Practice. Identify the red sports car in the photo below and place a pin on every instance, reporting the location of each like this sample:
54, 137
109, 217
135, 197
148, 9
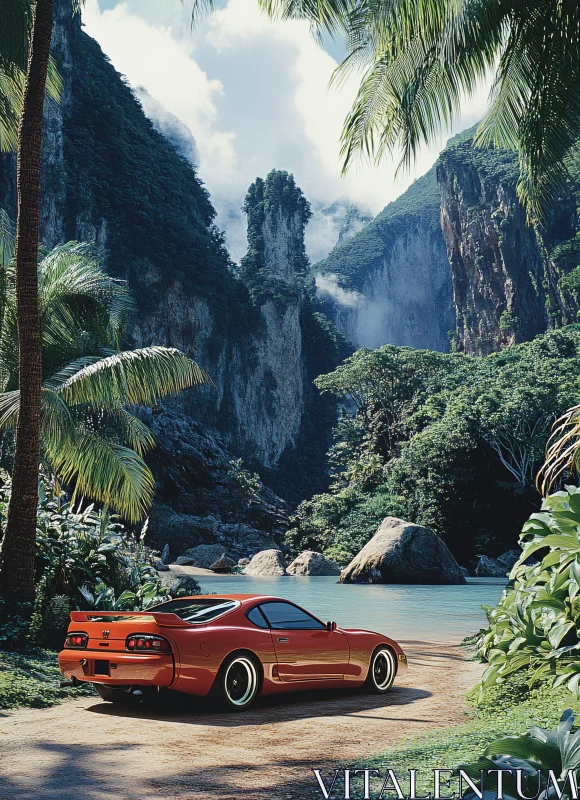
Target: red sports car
231, 647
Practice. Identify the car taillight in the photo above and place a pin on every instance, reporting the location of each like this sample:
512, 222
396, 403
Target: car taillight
145, 643
76, 641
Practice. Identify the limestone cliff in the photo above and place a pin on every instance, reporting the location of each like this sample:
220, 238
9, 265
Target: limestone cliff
111, 177
506, 284
391, 283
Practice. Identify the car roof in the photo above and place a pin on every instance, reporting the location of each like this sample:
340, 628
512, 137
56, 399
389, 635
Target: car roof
241, 598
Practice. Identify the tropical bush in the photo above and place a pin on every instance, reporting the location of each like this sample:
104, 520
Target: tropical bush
536, 625
85, 559
533, 755
444, 440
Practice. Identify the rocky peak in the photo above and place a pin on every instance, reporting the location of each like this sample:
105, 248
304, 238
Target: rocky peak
277, 214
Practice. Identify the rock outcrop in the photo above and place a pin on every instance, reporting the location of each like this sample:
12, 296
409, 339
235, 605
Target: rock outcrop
508, 559
266, 563
204, 497
507, 288
391, 283
490, 568
204, 555
310, 562
401, 552
179, 582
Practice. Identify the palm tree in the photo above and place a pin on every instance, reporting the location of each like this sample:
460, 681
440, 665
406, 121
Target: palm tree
420, 59
88, 437
17, 553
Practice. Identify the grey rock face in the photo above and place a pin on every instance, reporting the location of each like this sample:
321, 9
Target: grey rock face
394, 275
179, 582
198, 499
223, 564
401, 552
310, 562
267, 562
204, 555
186, 561
490, 568
508, 559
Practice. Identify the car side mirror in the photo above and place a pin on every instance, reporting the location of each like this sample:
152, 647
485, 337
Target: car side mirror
331, 626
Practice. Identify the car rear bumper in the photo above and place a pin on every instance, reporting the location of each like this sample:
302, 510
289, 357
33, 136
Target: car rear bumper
118, 669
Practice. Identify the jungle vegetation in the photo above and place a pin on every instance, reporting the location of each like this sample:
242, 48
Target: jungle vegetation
445, 440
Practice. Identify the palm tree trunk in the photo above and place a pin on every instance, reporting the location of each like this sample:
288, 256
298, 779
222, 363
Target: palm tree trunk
17, 554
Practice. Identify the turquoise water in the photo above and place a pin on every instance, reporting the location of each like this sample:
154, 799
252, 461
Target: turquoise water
428, 613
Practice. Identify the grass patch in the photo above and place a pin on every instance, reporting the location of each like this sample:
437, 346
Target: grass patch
32, 678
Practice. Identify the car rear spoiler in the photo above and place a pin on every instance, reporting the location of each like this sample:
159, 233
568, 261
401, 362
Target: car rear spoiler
165, 619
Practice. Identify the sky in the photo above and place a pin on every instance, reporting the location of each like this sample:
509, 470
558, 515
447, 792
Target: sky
254, 96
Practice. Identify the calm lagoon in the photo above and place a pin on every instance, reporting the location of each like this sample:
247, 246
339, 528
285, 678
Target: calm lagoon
406, 612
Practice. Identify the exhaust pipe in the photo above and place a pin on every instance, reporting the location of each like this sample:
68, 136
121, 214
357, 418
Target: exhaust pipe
73, 683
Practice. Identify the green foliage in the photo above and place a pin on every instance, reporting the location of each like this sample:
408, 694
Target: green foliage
32, 678
535, 625
509, 709
535, 754
84, 559
14, 624
158, 217
266, 202
445, 440
247, 484
413, 86
88, 436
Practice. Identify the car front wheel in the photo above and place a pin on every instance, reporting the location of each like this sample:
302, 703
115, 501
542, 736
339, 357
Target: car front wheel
239, 681
382, 671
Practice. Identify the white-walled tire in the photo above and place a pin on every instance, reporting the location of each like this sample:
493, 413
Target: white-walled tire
238, 682
382, 670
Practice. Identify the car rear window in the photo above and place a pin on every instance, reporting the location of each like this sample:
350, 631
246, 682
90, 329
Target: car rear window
197, 611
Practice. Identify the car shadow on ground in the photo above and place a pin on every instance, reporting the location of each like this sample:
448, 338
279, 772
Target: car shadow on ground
181, 708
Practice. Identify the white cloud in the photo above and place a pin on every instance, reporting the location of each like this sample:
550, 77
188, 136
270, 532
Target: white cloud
328, 286
255, 97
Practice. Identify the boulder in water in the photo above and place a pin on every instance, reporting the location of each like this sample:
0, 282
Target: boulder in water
490, 568
402, 552
266, 562
309, 562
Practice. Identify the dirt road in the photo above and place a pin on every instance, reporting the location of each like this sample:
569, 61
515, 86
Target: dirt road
90, 750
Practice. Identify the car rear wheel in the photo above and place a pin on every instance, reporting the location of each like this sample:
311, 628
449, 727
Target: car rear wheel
238, 682
382, 670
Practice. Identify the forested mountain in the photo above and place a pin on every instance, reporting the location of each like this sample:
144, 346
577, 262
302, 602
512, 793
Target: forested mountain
452, 263
110, 177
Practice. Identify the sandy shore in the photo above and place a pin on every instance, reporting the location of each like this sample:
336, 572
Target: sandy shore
93, 750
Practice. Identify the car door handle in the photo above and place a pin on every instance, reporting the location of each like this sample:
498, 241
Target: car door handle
283, 639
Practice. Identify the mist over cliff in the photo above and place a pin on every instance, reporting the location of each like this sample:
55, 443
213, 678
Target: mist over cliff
453, 263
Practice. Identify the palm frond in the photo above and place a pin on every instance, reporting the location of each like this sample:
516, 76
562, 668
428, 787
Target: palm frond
563, 450
7, 239
9, 407
105, 471
199, 8
72, 275
134, 432
135, 377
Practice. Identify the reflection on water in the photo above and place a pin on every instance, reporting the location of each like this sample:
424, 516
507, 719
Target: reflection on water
433, 613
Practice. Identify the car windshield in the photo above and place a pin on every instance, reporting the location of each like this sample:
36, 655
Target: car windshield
192, 610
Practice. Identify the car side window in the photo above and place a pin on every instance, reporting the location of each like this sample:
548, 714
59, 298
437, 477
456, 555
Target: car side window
285, 616
257, 618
